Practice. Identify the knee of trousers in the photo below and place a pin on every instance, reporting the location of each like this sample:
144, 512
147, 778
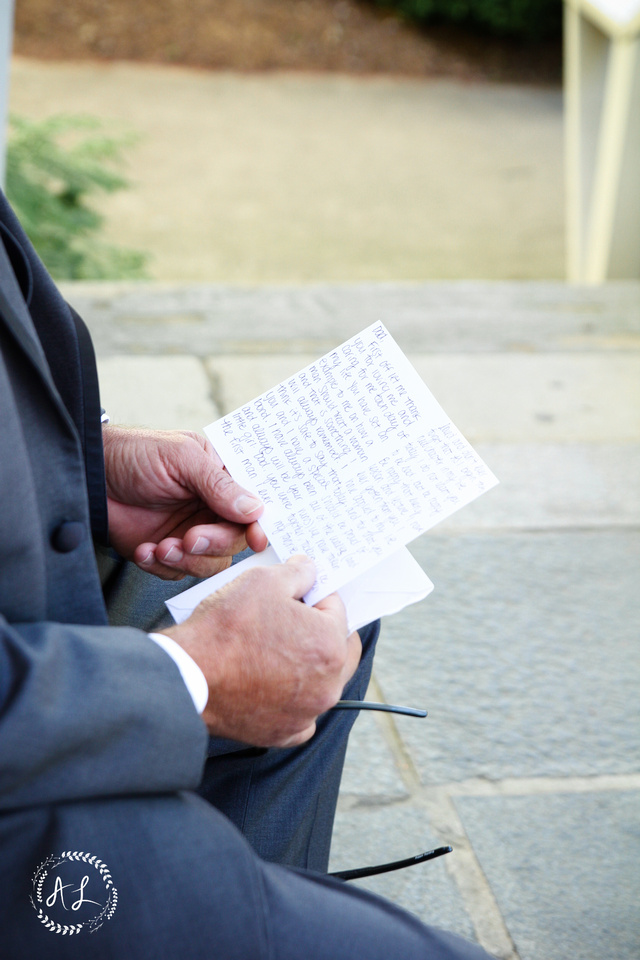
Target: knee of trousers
176, 864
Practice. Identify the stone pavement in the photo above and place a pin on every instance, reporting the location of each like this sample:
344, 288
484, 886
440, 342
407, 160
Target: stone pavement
526, 654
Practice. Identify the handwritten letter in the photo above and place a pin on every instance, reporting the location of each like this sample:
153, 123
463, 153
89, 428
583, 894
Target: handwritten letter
352, 457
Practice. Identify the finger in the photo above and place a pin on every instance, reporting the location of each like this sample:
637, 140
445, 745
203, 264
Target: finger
201, 567
354, 653
298, 738
334, 607
256, 538
171, 556
144, 557
212, 539
296, 576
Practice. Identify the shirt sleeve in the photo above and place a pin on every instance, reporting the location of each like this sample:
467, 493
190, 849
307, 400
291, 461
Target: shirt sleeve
191, 673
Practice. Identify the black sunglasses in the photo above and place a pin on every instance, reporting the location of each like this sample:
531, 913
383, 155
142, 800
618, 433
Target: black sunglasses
361, 872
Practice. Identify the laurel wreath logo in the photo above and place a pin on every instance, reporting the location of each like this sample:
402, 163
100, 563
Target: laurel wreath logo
50, 864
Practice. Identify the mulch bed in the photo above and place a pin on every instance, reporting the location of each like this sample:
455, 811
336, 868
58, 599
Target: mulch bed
351, 36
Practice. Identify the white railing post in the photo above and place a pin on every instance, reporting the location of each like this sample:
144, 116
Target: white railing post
602, 139
6, 44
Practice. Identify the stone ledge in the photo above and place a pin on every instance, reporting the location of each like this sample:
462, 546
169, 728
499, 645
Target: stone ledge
434, 317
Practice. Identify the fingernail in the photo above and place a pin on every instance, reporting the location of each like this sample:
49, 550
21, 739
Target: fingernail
148, 559
247, 504
173, 556
200, 546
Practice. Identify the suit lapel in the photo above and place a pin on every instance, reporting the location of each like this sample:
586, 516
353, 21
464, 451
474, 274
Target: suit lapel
16, 317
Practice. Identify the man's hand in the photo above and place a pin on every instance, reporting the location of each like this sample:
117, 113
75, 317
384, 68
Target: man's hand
272, 663
173, 509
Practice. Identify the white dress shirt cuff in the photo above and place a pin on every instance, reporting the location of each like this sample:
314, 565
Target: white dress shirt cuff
191, 673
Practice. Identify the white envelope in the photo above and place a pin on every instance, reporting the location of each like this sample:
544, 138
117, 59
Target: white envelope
387, 588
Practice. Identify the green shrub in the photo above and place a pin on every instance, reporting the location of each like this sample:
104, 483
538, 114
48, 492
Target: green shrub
528, 19
54, 167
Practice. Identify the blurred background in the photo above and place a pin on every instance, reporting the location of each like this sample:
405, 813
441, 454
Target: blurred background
227, 189
312, 139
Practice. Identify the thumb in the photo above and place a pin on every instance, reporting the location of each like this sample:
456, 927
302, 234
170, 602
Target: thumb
221, 493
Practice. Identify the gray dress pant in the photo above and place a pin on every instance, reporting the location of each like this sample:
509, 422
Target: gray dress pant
237, 873
283, 801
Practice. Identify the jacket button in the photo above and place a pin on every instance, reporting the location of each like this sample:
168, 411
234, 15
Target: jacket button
68, 536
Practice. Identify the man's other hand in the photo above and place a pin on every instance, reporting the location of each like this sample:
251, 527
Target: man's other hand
272, 663
173, 508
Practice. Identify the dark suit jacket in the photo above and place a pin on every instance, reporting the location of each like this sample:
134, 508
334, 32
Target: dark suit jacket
86, 710
90, 712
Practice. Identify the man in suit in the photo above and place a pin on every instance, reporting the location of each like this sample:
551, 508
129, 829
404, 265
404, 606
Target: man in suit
110, 724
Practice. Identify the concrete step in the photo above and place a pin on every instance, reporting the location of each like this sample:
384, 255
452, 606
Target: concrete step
543, 378
437, 317
524, 654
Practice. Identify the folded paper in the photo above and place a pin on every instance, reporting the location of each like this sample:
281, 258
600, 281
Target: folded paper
353, 458
387, 588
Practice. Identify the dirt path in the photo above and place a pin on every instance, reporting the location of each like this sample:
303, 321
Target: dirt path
254, 178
